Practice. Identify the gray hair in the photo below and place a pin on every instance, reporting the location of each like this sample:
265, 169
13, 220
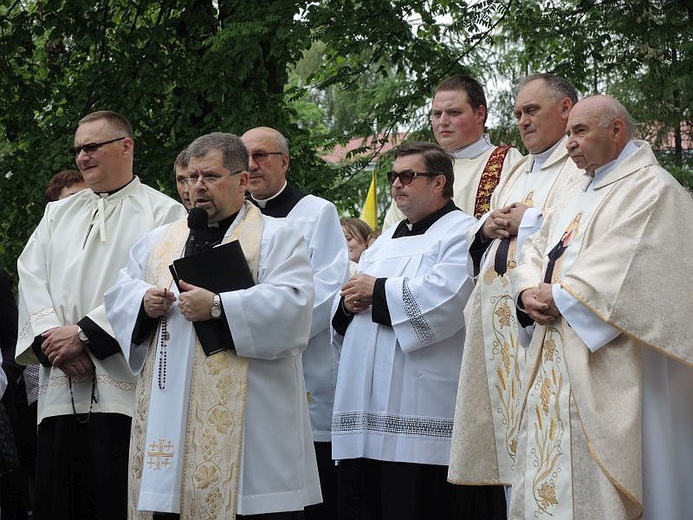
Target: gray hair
611, 110
233, 151
558, 86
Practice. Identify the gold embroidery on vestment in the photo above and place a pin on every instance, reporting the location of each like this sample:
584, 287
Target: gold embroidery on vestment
160, 454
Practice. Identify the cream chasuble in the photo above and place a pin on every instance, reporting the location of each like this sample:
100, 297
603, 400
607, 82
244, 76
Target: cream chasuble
487, 417
580, 449
202, 454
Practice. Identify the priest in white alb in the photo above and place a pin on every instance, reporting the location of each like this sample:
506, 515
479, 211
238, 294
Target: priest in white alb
86, 392
317, 220
225, 435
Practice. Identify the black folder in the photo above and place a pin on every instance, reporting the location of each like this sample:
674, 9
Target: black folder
220, 269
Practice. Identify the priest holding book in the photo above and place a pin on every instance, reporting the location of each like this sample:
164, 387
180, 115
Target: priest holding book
211, 424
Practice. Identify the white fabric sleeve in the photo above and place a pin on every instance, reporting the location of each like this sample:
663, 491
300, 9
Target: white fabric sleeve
123, 300
591, 329
530, 224
329, 259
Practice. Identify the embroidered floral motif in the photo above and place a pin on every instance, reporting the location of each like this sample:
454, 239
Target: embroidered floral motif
206, 475
549, 429
489, 180
547, 493
505, 360
221, 418
504, 314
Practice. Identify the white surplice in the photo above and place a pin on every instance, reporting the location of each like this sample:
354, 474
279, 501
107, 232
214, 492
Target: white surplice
396, 385
70, 260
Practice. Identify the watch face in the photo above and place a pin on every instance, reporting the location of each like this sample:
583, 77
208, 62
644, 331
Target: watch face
215, 311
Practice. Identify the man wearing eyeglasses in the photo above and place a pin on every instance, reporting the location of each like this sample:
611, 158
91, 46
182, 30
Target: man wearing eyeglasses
227, 434
317, 220
86, 390
458, 116
400, 327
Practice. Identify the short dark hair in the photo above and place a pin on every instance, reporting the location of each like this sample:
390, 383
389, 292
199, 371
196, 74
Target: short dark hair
60, 180
558, 86
114, 119
233, 151
474, 90
435, 159
181, 160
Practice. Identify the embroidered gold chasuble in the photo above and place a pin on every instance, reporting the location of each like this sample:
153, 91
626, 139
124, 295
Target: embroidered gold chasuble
215, 421
627, 239
488, 409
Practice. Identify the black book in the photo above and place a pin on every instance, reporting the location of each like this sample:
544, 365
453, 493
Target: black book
220, 269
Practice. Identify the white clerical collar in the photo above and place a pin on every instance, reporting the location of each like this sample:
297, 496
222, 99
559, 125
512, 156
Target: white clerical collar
263, 202
538, 159
473, 150
603, 171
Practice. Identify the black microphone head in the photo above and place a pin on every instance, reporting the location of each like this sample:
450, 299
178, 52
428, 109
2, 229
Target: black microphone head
197, 218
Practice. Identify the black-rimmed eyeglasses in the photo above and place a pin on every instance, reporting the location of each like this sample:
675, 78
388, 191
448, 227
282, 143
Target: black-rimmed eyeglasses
90, 148
407, 176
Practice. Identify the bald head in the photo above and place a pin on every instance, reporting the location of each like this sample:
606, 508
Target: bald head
269, 161
599, 128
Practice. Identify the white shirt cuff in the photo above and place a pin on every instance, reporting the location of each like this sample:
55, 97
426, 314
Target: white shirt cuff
591, 329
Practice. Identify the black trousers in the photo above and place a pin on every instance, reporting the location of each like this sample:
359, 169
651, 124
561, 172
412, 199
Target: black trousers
82, 468
378, 490
327, 471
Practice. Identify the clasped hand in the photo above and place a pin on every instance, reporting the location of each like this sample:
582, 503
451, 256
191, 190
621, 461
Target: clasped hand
358, 293
504, 222
194, 303
64, 350
538, 303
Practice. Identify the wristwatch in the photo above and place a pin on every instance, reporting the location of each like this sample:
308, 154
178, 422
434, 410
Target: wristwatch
81, 335
215, 311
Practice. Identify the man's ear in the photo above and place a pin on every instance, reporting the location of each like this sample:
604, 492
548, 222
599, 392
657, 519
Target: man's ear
617, 128
480, 114
243, 180
285, 162
440, 182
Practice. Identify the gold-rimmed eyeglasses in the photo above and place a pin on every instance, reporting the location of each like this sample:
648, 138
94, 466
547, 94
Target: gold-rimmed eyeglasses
261, 157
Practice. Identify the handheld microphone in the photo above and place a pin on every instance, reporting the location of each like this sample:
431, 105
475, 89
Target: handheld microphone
197, 221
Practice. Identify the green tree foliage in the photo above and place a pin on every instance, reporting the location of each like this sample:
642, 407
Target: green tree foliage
640, 51
321, 72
